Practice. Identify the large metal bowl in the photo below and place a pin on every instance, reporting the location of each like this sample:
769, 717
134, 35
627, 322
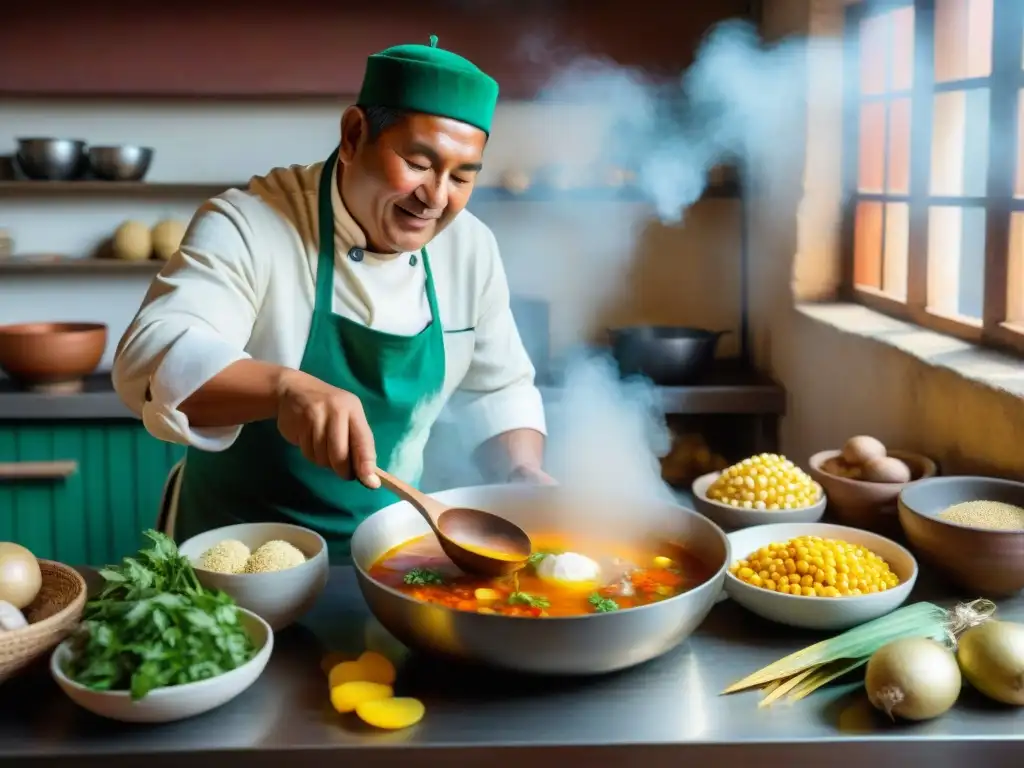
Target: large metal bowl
576, 645
44, 159
124, 163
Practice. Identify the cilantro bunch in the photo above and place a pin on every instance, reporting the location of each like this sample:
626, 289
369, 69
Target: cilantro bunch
154, 625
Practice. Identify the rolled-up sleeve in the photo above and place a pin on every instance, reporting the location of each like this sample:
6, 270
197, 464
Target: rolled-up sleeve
498, 393
195, 321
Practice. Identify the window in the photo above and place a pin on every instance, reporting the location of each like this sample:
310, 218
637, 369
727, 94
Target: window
933, 164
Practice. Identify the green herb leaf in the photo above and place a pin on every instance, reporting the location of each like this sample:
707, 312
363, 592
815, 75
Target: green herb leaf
602, 604
422, 577
534, 559
154, 625
532, 601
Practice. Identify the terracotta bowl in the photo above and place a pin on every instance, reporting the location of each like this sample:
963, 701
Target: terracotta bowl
51, 357
986, 562
858, 503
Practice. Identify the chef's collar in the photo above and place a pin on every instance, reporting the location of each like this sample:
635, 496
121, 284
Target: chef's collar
348, 235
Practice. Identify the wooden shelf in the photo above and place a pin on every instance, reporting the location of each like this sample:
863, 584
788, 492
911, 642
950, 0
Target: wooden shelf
32, 265
115, 188
210, 189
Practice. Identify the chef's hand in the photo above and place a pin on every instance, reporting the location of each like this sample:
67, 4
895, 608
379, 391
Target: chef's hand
531, 475
329, 425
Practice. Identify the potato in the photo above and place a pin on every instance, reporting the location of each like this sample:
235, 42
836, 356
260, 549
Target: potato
347, 696
391, 714
377, 668
861, 449
886, 469
346, 672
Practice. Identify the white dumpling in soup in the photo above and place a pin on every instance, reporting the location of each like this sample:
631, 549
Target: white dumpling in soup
569, 569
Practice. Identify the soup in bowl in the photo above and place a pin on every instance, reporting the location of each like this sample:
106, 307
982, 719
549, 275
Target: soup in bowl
592, 599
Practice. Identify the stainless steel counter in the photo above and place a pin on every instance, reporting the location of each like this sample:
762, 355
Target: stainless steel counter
666, 713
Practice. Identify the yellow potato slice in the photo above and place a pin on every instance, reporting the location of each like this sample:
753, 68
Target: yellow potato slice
347, 696
377, 668
391, 714
347, 672
331, 660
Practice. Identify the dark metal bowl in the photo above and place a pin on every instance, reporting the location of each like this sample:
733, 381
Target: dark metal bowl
42, 159
669, 356
124, 163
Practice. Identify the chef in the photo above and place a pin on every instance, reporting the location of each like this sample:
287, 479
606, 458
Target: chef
312, 327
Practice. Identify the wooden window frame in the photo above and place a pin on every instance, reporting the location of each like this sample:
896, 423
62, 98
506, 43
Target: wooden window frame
999, 203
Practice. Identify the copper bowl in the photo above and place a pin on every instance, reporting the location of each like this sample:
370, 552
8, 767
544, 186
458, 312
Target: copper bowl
861, 504
51, 357
984, 561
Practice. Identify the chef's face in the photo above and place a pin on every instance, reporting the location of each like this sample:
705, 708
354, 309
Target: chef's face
407, 184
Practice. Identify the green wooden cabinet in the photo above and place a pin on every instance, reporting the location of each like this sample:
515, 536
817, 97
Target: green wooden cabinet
97, 514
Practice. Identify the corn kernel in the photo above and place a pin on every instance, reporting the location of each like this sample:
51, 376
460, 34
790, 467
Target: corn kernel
810, 566
765, 482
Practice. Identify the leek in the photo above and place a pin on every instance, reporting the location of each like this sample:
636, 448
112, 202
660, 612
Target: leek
917, 620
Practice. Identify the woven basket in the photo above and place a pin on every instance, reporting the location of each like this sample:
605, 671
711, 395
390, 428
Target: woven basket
56, 611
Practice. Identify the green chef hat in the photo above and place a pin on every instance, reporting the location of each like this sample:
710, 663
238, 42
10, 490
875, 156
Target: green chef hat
431, 80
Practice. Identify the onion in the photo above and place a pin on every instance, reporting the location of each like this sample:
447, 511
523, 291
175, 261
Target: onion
20, 577
914, 678
991, 656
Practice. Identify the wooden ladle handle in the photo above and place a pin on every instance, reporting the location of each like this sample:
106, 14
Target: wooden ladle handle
430, 508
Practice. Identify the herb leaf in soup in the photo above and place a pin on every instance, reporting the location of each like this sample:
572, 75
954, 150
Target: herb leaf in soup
531, 601
534, 559
602, 604
422, 577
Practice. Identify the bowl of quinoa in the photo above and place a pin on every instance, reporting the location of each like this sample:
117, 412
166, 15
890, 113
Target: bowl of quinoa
970, 529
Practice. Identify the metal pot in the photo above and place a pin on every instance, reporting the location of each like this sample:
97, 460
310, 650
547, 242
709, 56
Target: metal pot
576, 645
669, 356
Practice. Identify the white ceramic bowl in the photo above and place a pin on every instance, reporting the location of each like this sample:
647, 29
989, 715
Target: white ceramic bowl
279, 597
165, 705
825, 613
734, 518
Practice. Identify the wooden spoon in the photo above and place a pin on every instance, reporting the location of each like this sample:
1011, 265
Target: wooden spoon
476, 541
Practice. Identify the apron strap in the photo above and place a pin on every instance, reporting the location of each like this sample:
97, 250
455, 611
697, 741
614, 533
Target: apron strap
326, 256
325, 259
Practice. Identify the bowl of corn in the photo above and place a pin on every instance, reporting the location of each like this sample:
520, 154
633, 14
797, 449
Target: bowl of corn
971, 529
818, 576
762, 489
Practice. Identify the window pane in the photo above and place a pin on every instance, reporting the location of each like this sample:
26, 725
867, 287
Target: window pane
874, 53
1015, 273
960, 121
897, 245
887, 51
898, 165
963, 39
871, 170
956, 261
902, 78
867, 246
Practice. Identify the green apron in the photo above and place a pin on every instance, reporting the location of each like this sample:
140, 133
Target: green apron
264, 478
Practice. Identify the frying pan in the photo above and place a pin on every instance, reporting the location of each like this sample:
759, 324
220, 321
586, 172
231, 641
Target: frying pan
670, 356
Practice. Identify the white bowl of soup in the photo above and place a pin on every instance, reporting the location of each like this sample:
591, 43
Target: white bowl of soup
596, 597
818, 576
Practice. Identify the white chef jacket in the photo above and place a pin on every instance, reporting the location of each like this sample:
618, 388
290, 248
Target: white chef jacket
242, 286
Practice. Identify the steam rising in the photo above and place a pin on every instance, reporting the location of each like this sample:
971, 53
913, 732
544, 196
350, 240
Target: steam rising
731, 107
736, 105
